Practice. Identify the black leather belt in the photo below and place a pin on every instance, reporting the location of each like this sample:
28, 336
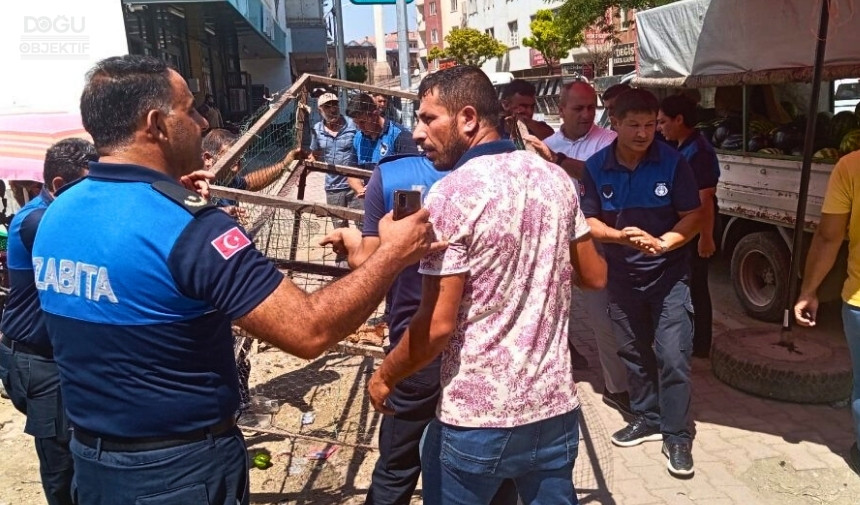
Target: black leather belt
15, 346
117, 444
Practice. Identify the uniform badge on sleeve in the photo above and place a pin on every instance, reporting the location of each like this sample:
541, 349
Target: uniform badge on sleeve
661, 189
230, 242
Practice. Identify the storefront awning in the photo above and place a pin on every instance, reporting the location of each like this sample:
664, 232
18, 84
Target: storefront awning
26, 135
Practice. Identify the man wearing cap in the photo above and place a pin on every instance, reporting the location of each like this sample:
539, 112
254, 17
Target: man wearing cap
332, 142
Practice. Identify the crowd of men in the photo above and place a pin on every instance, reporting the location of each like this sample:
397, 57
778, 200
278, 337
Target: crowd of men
123, 314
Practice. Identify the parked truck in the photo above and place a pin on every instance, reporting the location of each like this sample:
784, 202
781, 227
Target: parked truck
754, 91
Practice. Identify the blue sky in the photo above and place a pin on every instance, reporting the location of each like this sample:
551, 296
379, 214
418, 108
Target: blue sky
358, 19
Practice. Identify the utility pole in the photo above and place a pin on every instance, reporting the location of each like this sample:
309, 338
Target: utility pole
403, 52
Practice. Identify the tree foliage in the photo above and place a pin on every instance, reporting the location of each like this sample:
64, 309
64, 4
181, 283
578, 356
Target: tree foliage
578, 15
469, 46
550, 38
356, 72
435, 53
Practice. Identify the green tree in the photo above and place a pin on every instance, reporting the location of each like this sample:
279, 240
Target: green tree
550, 38
575, 16
469, 46
356, 72
435, 53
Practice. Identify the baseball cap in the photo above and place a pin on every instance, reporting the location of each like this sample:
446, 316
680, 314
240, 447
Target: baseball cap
326, 98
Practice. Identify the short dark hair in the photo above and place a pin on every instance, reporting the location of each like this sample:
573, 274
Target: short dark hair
635, 100
615, 90
361, 104
218, 139
680, 105
518, 87
464, 85
119, 91
68, 159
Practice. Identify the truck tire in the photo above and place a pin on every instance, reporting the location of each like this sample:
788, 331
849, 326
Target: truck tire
760, 264
817, 370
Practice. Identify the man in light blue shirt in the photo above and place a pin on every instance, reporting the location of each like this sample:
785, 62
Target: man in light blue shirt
332, 142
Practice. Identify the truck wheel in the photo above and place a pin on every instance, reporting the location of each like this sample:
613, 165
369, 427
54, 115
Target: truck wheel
760, 264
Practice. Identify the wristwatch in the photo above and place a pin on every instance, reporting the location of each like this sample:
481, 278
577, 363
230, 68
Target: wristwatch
559, 158
663, 247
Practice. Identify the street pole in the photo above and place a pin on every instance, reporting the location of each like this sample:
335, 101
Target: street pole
403, 50
340, 48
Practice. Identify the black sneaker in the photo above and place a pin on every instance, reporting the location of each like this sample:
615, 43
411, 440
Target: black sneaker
680, 458
854, 459
618, 401
635, 433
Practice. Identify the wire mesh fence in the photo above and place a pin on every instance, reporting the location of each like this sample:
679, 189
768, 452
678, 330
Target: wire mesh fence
314, 418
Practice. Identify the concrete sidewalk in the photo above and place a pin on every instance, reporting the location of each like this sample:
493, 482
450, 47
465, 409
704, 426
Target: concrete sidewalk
747, 451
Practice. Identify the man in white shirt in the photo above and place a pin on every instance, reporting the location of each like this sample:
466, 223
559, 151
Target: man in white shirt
576, 140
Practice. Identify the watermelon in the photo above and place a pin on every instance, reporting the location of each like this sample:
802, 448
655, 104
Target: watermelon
841, 124
827, 153
786, 137
850, 142
757, 142
760, 126
770, 150
733, 142
789, 108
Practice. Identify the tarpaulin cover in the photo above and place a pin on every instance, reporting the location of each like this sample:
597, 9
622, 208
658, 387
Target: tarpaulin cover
718, 37
25, 136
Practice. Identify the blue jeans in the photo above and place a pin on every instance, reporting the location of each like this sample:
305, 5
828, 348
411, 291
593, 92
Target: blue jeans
467, 466
209, 472
654, 329
851, 323
33, 384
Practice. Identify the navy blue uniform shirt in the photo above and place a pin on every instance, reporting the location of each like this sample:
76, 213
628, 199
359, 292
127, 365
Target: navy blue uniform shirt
398, 172
702, 158
139, 281
650, 198
395, 139
22, 317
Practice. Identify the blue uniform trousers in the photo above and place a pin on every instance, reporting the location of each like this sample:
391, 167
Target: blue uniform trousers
33, 384
654, 329
208, 472
399, 465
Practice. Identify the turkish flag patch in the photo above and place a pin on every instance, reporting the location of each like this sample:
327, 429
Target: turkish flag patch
230, 242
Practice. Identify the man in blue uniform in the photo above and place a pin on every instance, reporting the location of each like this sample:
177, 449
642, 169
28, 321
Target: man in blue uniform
676, 120
642, 201
27, 364
398, 467
377, 136
140, 289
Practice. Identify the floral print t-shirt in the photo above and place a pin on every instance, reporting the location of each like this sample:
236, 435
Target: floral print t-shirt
509, 219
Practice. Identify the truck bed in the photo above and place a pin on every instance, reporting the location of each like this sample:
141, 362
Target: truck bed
766, 188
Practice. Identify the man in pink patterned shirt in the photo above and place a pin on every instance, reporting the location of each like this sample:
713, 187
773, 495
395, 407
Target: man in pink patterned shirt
495, 304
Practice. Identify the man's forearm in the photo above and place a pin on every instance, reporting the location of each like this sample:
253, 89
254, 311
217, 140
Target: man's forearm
708, 216
259, 179
414, 352
685, 229
602, 232
355, 184
819, 260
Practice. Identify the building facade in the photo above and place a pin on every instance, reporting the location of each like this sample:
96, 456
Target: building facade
239, 51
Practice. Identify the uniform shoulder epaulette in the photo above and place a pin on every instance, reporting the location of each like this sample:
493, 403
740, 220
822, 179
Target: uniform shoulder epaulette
189, 200
395, 157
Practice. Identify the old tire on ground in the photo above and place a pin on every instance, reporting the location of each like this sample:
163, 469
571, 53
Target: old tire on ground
817, 370
760, 264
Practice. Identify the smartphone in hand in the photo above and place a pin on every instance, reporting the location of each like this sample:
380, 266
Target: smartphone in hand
406, 202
